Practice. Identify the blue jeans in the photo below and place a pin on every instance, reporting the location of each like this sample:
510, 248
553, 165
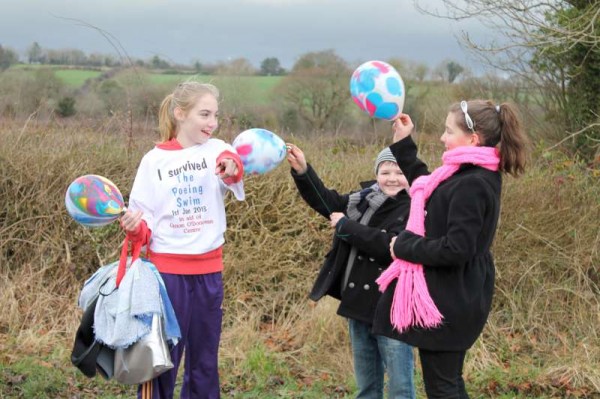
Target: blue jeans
373, 356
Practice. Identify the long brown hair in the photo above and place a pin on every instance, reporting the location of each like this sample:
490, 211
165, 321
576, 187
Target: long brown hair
498, 126
184, 97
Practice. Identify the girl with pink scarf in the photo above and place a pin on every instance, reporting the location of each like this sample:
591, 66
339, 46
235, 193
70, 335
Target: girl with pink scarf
437, 293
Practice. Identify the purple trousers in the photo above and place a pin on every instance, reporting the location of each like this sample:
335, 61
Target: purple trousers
197, 301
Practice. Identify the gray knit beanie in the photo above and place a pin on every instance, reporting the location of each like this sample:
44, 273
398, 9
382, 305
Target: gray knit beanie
384, 155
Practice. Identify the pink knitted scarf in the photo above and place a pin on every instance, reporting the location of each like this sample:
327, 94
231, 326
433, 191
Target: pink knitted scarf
412, 305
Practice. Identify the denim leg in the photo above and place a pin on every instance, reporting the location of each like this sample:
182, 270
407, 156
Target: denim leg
368, 365
398, 359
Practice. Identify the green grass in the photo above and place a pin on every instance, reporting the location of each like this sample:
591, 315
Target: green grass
251, 89
263, 82
237, 90
75, 77
265, 374
262, 375
44, 378
72, 77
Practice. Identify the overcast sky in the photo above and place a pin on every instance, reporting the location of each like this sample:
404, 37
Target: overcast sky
185, 31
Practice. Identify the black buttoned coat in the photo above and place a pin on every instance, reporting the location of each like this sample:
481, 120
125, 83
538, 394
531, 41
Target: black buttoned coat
360, 295
460, 223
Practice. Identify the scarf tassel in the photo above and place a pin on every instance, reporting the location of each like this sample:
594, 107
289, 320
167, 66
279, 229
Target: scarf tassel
412, 306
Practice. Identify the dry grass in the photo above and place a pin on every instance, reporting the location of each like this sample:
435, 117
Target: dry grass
544, 326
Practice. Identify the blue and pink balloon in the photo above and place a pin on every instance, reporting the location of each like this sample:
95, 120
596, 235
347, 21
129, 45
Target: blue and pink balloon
260, 150
94, 201
377, 88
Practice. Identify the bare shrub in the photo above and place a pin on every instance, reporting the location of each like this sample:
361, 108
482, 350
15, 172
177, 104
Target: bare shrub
546, 307
25, 93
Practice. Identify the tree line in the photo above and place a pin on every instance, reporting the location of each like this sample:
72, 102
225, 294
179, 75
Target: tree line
36, 54
446, 71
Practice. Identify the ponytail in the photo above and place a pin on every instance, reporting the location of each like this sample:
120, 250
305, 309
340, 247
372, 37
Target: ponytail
498, 126
166, 119
513, 141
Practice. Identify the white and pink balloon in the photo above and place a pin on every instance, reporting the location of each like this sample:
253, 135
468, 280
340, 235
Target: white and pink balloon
260, 150
378, 89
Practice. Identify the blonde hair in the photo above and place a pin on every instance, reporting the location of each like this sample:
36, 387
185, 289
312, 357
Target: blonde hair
498, 126
184, 96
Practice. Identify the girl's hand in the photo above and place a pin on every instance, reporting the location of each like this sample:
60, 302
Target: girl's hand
296, 159
335, 218
130, 221
392, 242
226, 168
402, 127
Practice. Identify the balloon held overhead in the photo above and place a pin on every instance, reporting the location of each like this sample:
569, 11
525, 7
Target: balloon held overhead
93, 201
260, 150
377, 88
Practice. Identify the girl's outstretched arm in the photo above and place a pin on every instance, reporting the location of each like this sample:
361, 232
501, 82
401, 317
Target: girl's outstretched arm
296, 159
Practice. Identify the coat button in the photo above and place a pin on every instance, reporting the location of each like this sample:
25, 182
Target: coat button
383, 231
359, 257
372, 259
351, 285
380, 269
367, 286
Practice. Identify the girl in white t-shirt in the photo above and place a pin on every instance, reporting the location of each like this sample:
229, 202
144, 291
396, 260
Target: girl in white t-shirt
176, 208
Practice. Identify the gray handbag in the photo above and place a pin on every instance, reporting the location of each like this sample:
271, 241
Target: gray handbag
146, 359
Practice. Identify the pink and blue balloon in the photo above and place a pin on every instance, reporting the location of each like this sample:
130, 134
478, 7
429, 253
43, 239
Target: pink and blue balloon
94, 201
377, 88
260, 150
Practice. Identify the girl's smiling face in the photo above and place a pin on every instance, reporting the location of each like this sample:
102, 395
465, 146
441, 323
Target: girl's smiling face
198, 124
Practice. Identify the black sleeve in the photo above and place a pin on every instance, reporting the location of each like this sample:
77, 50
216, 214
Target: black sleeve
373, 241
466, 218
405, 152
316, 195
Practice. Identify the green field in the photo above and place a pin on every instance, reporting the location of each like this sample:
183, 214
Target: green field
75, 77
72, 77
264, 82
256, 89
249, 89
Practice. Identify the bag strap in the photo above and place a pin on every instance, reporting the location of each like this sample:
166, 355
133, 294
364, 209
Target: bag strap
136, 248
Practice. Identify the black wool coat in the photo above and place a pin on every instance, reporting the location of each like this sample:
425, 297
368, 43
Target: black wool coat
360, 295
460, 223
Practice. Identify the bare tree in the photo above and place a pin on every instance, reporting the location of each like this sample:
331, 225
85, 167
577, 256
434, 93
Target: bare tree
237, 67
317, 87
553, 45
409, 70
524, 23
